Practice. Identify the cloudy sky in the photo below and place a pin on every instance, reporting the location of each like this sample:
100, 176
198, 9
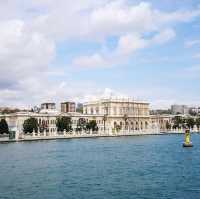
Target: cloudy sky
60, 50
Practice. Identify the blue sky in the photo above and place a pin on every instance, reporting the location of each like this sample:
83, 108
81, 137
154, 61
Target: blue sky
85, 50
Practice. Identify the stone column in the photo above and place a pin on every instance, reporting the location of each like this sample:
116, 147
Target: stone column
45, 133
33, 133
56, 131
17, 135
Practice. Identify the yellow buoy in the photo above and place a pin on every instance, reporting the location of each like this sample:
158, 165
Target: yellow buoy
187, 142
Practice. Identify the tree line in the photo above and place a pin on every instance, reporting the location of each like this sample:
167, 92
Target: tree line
65, 124
62, 123
181, 122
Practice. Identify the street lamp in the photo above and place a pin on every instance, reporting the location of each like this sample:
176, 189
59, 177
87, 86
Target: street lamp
104, 121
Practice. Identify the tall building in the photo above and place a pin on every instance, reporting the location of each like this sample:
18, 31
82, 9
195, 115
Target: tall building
48, 106
179, 109
67, 107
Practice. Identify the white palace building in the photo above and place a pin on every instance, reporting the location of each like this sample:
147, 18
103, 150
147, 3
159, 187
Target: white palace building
113, 116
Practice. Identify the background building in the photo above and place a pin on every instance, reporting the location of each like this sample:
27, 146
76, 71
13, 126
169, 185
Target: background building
194, 111
67, 107
179, 109
48, 106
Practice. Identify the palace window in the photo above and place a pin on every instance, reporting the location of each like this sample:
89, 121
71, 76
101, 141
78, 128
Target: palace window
91, 110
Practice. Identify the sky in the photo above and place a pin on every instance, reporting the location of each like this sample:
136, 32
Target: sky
54, 51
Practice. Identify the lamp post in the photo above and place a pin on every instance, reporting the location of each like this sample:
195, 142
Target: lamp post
125, 120
104, 122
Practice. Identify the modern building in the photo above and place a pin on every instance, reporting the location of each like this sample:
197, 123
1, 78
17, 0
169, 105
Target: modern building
179, 109
195, 110
67, 107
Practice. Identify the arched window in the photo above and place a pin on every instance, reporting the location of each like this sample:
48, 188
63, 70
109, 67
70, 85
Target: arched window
146, 125
91, 110
115, 124
132, 126
137, 127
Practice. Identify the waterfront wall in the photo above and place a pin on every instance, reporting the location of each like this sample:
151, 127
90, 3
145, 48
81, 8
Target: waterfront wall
19, 136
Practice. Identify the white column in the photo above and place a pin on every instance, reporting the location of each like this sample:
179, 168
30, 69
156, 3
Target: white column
17, 135
45, 133
33, 133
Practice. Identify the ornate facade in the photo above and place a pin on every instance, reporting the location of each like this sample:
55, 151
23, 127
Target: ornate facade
111, 115
126, 114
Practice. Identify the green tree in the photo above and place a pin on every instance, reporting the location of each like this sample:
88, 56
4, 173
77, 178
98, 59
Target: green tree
81, 124
92, 125
192, 113
168, 125
3, 127
64, 123
178, 122
190, 122
30, 125
198, 122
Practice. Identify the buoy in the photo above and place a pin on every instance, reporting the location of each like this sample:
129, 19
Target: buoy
187, 142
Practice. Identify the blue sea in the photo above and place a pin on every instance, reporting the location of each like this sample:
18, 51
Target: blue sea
146, 167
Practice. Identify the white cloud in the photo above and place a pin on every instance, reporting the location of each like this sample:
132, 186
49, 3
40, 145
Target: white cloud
196, 56
23, 54
30, 30
163, 36
99, 19
127, 45
192, 43
106, 93
130, 23
130, 43
92, 61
